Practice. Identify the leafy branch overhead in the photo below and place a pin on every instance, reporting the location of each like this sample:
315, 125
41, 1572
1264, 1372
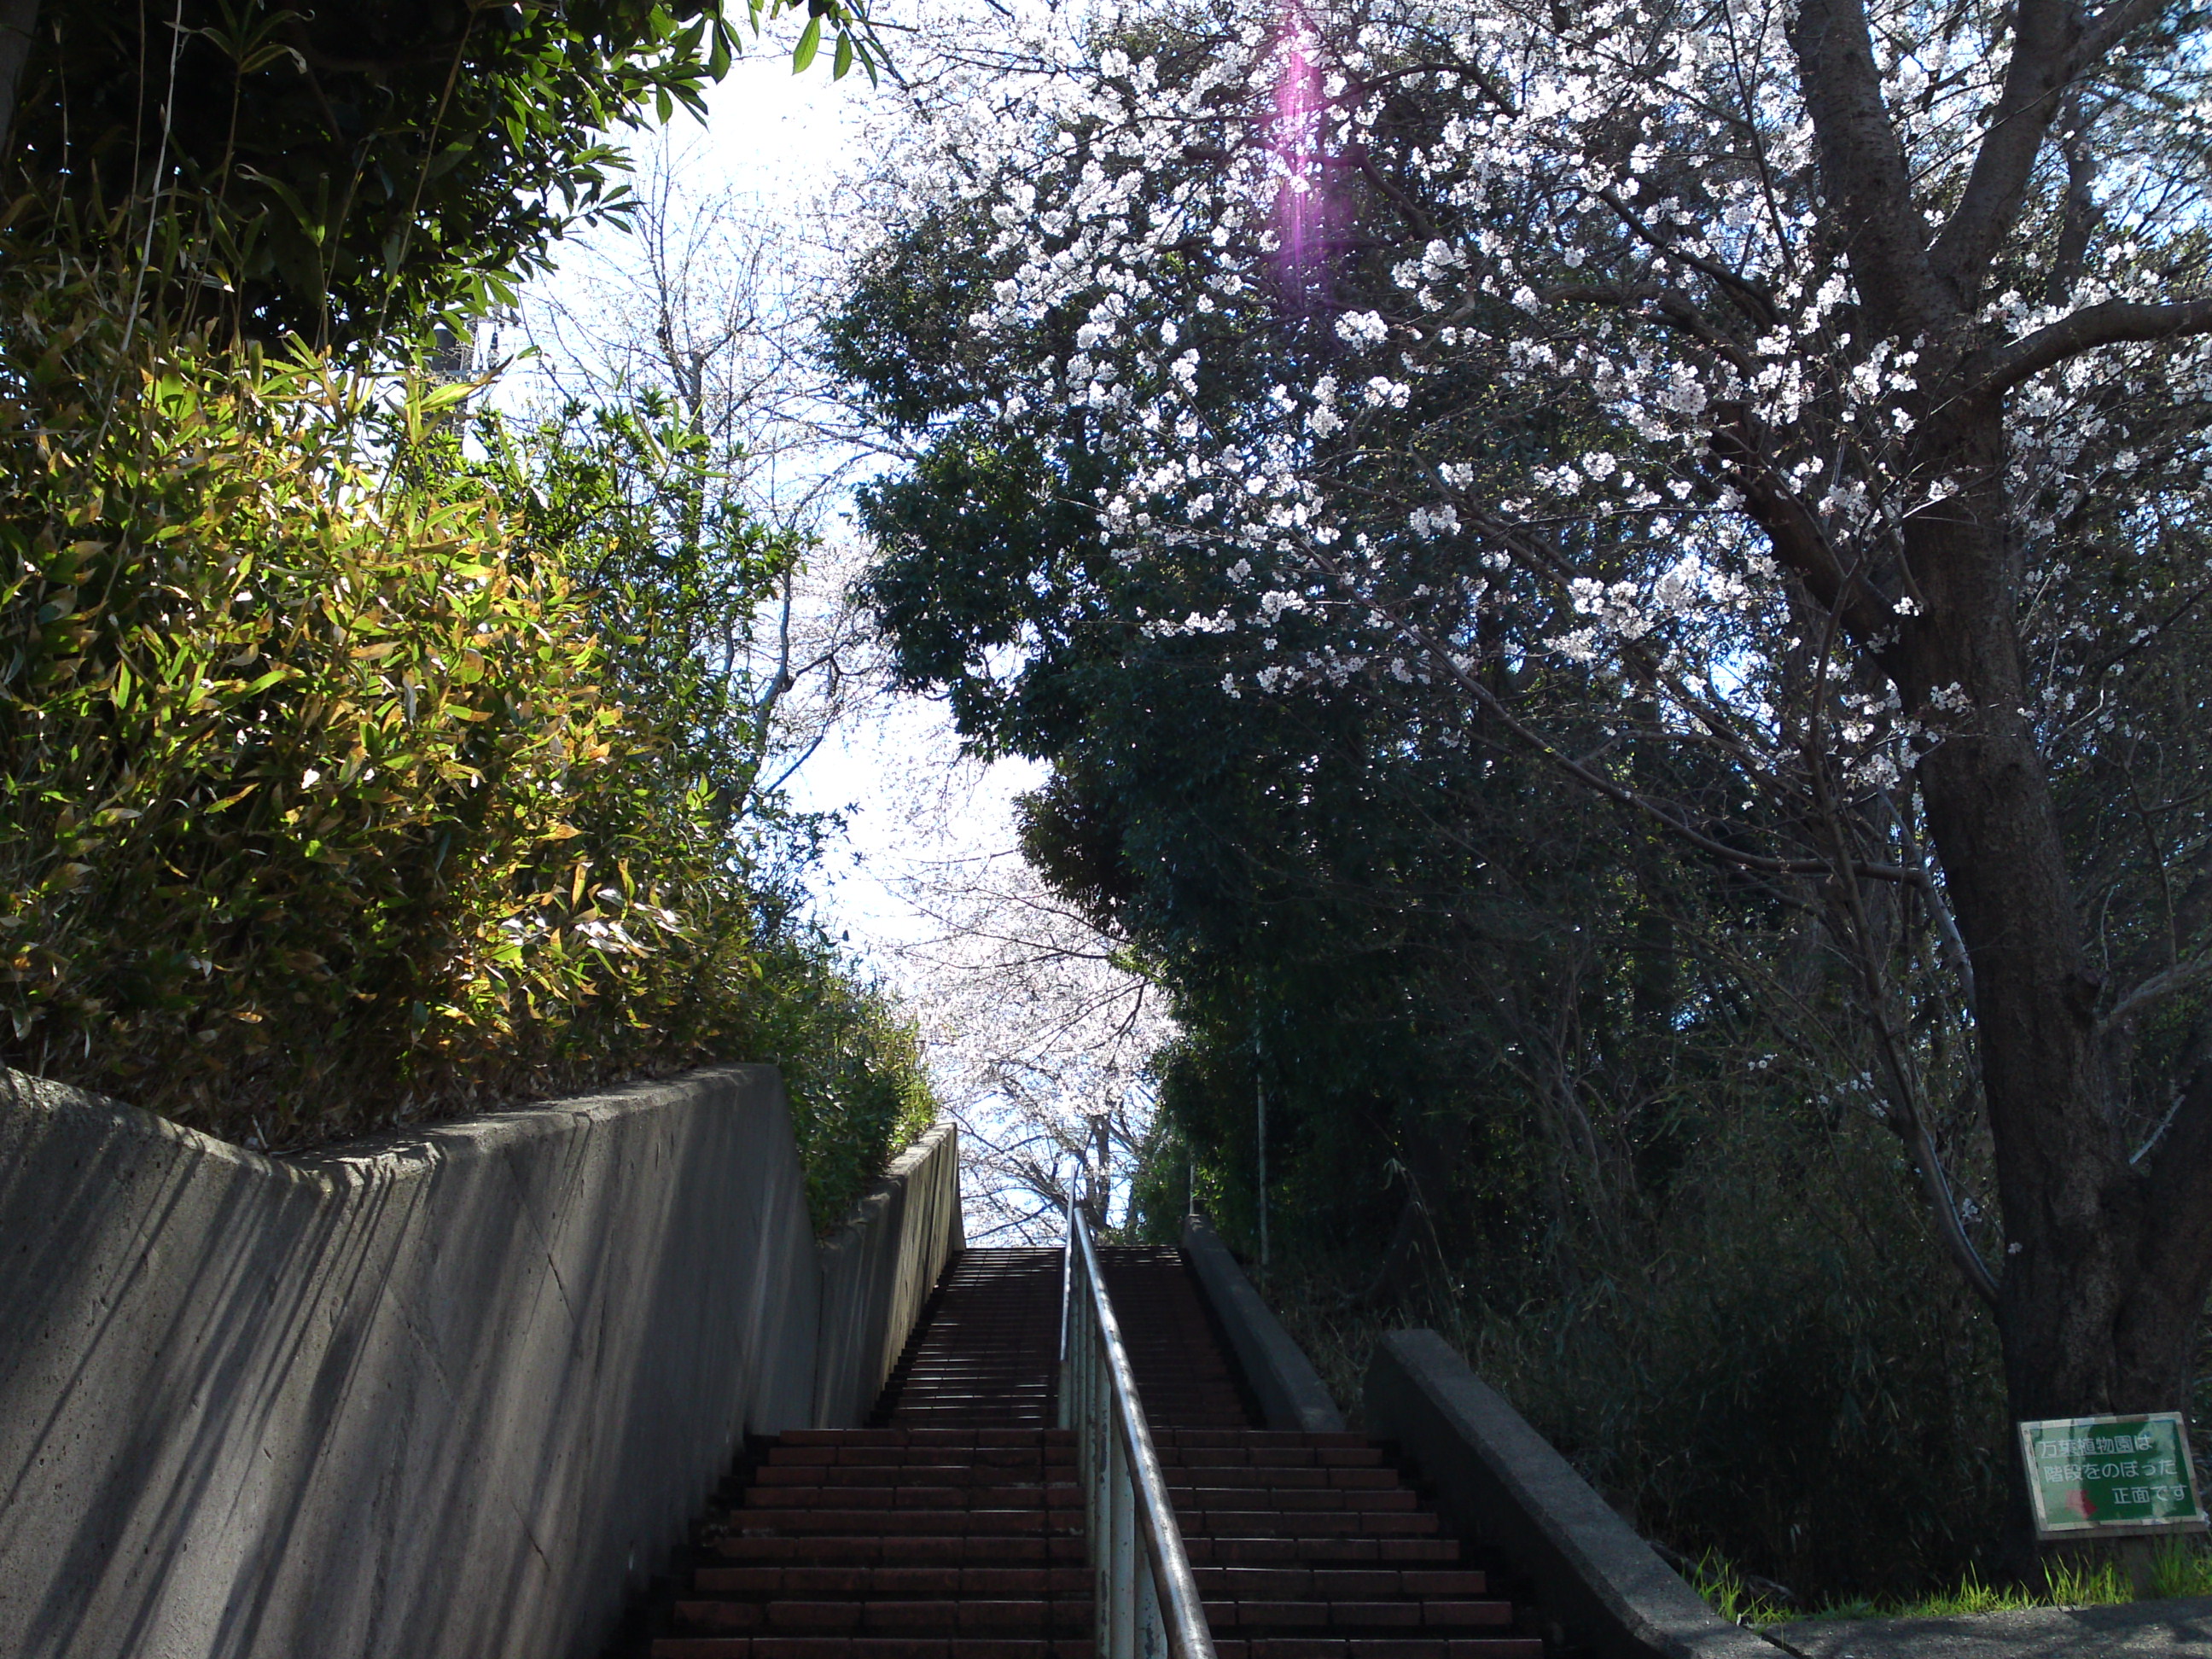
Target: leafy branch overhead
371, 756
339, 172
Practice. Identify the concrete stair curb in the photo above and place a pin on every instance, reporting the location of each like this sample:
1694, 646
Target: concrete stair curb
1501, 1482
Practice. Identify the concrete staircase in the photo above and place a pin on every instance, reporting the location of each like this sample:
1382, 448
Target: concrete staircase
950, 1528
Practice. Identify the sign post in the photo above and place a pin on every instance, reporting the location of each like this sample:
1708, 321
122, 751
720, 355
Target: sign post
2111, 1477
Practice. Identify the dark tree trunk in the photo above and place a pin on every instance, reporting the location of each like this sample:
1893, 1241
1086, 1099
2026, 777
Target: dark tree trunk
2060, 1168
2106, 1265
2106, 1274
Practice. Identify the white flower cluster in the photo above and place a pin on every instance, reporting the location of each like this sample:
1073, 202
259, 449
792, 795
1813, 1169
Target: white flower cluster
1613, 303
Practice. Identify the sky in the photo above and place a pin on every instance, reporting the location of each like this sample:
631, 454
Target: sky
785, 133
891, 773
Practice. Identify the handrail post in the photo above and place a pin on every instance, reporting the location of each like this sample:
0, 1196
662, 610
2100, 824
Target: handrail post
1067, 1313
1152, 1629
1120, 1625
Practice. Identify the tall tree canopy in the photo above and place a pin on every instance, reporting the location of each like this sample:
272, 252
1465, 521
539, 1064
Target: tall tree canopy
332, 171
1785, 422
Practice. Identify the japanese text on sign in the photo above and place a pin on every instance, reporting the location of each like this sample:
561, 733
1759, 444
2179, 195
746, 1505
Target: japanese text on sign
2110, 1473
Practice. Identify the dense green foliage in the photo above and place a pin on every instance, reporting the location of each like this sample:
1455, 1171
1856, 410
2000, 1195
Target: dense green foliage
353, 779
1777, 1369
369, 758
345, 172
852, 1064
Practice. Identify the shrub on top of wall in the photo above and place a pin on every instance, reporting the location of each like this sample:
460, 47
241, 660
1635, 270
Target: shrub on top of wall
853, 1067
327, 807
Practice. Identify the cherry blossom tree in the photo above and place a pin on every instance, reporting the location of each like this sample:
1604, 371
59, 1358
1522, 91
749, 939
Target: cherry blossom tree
1040, 1033
1827, 383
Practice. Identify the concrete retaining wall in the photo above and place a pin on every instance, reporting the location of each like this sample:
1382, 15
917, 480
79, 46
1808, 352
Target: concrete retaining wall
1291, 1393
449, 1394
878, 1270
1502, 1484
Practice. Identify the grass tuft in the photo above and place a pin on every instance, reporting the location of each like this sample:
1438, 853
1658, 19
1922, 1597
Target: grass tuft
2178, 1567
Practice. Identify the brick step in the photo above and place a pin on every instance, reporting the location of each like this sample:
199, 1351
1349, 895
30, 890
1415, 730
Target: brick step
960, 1616
1376, 1617
926, 1387
911, 1583
1333, 1583
1021, 1468
1216, 1391
1225, 1418
1313, 1478
1255, 1440
1287, 1499
903, 1550
897, 1523
939, 1500
868, 1482
1173, 1456
929, 1436
1456, 1646
987, 1351
875, 1647
801, 1483
1255, 1551
1010, 1406
788, 1647
1182, 1373
1244, 1598
923, 1457
953, 1359
971, 1414
1303, 1523
974, 1342
929, 1496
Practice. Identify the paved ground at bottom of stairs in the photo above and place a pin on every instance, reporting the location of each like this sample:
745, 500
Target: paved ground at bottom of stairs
2137, 1630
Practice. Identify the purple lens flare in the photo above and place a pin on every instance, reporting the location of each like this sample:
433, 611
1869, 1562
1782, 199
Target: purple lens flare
1305, 200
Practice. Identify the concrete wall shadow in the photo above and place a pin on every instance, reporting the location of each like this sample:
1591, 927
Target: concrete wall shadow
887, 1256
452, 1393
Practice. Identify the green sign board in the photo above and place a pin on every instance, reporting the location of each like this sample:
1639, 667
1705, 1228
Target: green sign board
2111, 1474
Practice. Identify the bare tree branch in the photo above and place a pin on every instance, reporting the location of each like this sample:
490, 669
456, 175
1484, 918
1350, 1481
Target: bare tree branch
2108, 28
2080, 215
1864, 168
2045, 36
1675, 307
2157, 989
2114, 322
1751, 297
1664, 813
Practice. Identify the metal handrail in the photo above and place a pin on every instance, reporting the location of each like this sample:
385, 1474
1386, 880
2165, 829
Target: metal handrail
1147, 1608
